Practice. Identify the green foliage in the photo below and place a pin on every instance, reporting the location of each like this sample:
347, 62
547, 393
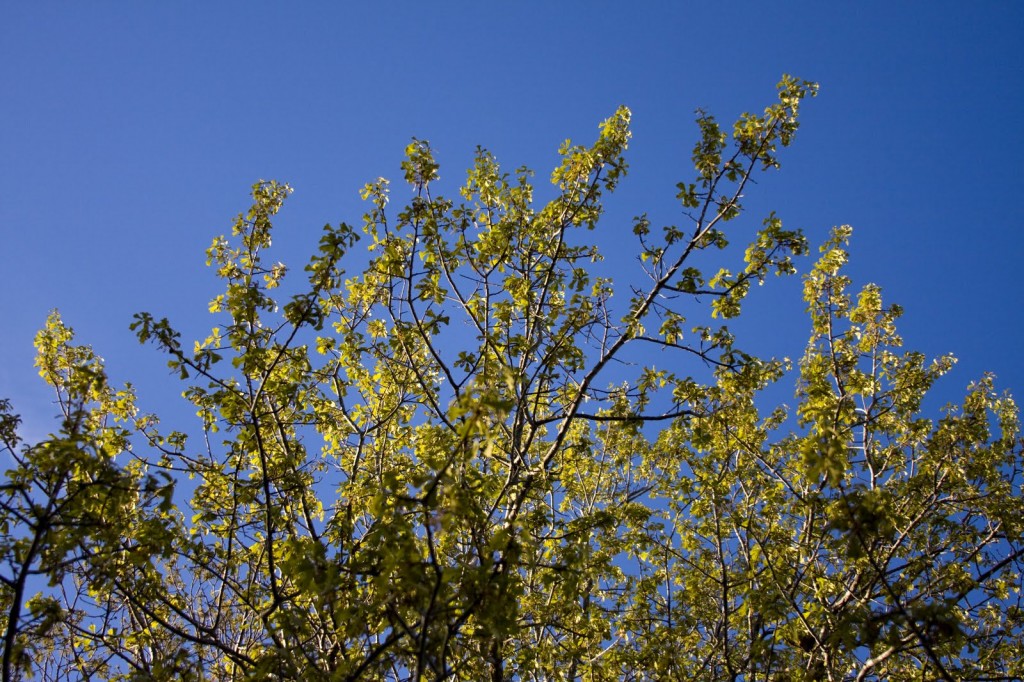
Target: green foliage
463, 462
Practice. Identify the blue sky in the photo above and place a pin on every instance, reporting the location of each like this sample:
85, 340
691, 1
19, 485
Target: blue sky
131, 132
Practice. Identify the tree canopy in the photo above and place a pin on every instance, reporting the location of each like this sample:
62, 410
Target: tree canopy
476, 459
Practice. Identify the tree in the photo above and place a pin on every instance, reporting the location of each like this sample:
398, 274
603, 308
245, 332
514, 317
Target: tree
463, 462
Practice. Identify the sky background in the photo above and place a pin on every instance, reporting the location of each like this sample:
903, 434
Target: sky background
130, 134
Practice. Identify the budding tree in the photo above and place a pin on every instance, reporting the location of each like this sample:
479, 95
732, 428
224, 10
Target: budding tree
467, 461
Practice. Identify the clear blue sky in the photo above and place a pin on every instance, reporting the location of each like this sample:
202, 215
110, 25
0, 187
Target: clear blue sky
131, 132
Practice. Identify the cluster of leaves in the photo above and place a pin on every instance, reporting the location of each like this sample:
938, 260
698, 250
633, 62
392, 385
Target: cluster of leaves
462, 463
